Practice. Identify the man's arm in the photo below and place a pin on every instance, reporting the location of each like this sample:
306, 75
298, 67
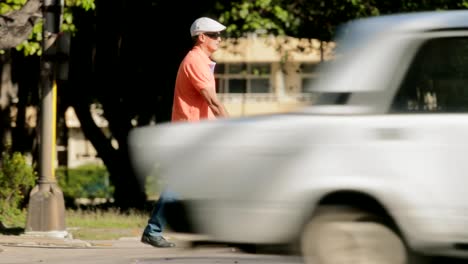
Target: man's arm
213, 102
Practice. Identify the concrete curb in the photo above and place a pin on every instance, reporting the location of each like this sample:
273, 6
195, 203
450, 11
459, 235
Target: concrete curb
26, 240
37, 241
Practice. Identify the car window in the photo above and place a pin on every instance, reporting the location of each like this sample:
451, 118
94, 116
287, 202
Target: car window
338, 98
437, 80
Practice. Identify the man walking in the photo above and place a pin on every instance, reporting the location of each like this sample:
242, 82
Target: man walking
195, 99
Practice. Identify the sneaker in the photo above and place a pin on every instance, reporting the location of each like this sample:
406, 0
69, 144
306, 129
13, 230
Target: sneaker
156, 241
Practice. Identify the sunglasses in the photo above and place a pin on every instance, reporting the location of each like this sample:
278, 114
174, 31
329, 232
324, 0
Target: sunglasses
212, 35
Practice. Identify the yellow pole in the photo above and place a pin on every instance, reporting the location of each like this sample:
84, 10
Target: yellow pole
54, 131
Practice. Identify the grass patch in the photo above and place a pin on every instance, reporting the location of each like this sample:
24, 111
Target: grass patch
105, 224
105, 218
95, 224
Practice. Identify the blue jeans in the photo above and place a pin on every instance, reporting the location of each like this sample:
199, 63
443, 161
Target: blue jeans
157, 219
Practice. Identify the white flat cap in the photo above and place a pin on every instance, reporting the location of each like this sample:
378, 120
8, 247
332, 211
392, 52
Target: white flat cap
205, 24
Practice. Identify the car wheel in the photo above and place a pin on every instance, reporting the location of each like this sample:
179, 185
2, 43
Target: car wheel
346, 241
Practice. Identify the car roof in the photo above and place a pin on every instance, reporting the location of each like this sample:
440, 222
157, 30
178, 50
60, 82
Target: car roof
358, 31
360, 46
414, 21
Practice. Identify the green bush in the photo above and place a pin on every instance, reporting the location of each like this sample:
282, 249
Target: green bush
87, 181
17, 178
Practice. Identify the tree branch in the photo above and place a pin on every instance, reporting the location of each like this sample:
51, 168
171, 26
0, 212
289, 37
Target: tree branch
16, 26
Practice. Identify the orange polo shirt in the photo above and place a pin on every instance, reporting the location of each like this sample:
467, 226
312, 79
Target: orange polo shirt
194, 74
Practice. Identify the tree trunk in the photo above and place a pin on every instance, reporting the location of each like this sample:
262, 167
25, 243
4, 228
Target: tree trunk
86, 85
25, 73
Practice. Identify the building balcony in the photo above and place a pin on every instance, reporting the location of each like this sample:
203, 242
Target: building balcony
246, 104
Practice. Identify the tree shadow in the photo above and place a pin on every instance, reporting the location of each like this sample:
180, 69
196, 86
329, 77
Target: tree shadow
4, 230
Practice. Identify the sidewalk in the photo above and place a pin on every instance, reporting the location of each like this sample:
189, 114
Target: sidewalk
26, 249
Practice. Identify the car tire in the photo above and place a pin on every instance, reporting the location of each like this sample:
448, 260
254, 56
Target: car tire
329, 240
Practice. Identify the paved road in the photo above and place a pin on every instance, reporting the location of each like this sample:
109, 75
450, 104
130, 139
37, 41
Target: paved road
126, 251
31, 250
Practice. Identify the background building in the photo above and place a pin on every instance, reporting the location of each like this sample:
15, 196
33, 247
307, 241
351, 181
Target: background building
258, 75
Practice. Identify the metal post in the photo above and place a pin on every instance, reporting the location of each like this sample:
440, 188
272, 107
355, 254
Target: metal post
46, 208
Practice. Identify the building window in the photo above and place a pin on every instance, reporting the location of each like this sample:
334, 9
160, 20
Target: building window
308, 73
243, 77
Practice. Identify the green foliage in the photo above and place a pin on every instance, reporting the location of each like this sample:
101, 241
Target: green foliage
67, 24
87, 181
11, 5
33, 45
17, 177
152, 186
312, 19
85, 4
260, 16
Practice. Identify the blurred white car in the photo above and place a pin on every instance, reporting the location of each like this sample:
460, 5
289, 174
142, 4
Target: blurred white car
375, 171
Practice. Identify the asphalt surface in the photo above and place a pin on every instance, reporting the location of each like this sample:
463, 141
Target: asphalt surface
28, 249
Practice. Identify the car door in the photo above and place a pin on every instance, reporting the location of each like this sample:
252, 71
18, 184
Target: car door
429, 119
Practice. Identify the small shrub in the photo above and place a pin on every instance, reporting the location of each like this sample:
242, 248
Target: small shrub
87, 181
152, 187
17, 178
